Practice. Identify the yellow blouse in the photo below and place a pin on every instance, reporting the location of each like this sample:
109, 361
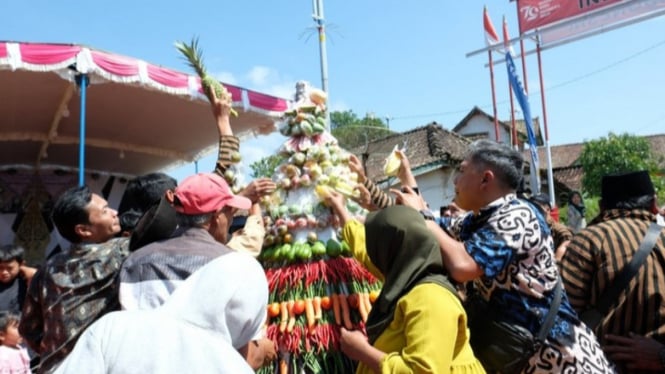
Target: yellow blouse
353, 234
428, 333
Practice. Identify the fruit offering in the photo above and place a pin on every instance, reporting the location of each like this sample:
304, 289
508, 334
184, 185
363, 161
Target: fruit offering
316, 287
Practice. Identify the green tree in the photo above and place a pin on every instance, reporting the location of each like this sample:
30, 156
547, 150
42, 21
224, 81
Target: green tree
352, 131
266, 166
615, 154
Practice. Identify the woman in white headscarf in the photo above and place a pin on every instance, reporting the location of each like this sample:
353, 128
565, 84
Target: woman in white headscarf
203, 328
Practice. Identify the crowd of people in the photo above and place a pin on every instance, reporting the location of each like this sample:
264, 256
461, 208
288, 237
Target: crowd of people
493, 284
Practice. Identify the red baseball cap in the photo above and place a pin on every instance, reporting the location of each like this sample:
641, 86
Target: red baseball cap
206, 193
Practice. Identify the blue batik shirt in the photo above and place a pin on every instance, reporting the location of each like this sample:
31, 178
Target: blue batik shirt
511, 242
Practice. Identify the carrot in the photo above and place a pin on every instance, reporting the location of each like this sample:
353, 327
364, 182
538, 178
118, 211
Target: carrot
336, 309
362, 307
284, 317
283, 366
292, 316
317, 308
368, 303
309, 312
346, 314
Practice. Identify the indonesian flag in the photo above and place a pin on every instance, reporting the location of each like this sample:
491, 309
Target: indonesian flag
506, 38
491, 36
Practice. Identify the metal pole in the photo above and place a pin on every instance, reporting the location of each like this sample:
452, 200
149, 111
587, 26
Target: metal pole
82, 81
513, 127
526, 80
496, 119
323, 54
321, 27
550, 176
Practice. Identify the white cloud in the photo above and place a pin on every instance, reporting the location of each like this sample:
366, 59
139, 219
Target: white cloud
260, 75
270, 81
285, 90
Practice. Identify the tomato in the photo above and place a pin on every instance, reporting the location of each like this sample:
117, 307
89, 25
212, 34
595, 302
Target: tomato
299, 307
326, 303
373, 295
273, 310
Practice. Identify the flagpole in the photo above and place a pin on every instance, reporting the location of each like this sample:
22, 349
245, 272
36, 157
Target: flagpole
513, 128
496, 120
526, 84
550, 176
508, 48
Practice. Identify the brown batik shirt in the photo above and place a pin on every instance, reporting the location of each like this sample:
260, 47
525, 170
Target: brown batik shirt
73, 289
597, 254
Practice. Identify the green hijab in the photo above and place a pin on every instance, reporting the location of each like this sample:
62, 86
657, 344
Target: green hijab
401, 246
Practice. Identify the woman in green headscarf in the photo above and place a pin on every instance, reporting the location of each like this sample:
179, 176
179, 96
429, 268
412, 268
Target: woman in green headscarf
418, 324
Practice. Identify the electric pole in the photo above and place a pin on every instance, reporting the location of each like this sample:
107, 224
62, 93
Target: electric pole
321, 28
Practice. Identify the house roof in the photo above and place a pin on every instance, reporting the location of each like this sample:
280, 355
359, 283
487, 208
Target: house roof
425, 145
520, 124
571, 177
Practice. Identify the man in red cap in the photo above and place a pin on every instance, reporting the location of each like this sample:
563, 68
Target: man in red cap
205, 207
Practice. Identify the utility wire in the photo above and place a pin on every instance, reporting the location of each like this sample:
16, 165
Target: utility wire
552, 88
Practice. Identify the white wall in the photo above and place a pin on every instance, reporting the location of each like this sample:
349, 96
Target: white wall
480, 123
436, 187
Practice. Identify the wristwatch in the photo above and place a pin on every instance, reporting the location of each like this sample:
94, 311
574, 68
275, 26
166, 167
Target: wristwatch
427, 215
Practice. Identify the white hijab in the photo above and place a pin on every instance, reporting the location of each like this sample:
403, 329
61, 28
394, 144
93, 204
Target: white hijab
217, 310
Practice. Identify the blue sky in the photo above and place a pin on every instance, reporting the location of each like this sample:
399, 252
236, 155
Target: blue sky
399, 59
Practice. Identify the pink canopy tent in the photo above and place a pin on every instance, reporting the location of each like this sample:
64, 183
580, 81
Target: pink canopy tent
139, 117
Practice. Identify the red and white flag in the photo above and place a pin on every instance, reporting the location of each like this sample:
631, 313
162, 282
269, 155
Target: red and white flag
508, 47
491, 36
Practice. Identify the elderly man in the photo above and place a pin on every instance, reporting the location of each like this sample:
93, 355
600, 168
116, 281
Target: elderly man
205, 207
77, 286
599, 253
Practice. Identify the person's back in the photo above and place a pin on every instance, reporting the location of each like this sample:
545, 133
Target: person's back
205, 205
77, 286
598, 254
150, 275
189, 333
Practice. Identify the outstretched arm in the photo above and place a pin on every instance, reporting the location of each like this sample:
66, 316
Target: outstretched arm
456, 259
229, 145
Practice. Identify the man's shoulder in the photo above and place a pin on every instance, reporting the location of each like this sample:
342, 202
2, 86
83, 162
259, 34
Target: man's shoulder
111, 250
239, 262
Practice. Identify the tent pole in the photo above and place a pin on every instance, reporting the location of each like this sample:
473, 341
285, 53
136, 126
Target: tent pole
82, 82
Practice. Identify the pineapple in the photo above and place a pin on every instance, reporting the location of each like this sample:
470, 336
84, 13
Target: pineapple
192, 53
